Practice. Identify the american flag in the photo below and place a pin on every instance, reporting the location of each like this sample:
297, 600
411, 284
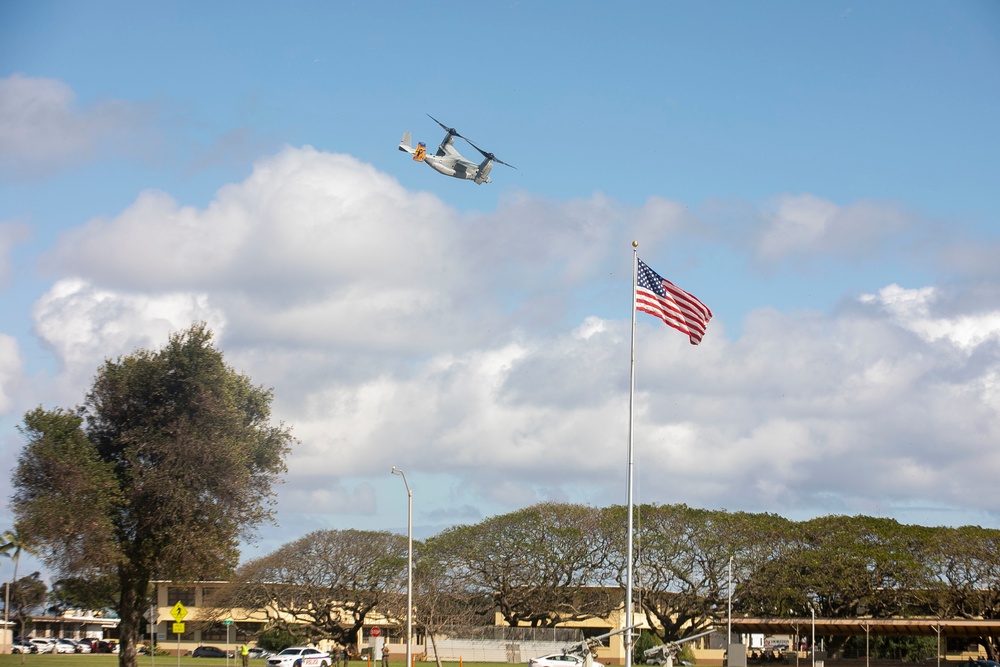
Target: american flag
678, 309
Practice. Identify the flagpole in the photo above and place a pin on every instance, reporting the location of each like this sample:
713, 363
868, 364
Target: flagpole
631, 401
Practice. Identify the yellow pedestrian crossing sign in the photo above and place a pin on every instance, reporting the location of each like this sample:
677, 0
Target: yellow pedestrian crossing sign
179, 611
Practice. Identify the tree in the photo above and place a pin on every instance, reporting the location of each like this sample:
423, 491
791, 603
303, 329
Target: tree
442, 597
843, 567
82, 593
26, 595
682, 561
15, 542
541, 565
965, 576
322, 585
168, 462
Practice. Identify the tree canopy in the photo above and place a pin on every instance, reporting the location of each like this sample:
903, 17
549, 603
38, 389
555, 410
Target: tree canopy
551, 563
168, 462
323, 584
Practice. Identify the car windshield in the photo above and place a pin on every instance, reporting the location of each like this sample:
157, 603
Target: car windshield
291, 651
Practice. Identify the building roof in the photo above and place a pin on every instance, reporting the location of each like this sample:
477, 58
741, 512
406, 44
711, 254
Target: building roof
897, 627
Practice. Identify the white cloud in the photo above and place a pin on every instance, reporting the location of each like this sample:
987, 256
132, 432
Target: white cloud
801, 226
914, 310
42, 130
394, 329
10, 371
85, 325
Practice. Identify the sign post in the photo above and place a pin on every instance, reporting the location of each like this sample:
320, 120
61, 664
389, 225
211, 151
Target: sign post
178, 611
229, 624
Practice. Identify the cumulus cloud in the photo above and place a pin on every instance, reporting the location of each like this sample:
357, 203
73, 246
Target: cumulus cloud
914, 310
43, 130
10, 371
85, 325
803, 226
494, 348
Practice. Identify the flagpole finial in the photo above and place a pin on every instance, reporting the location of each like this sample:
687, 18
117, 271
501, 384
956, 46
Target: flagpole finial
635, 244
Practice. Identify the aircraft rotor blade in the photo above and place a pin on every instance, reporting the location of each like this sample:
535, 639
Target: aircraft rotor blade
450, 130
488, 156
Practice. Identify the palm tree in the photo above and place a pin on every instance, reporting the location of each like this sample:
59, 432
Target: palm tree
14, 544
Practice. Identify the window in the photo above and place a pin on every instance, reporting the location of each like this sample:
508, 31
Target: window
183, 595
216, 633
245, 631
206, 596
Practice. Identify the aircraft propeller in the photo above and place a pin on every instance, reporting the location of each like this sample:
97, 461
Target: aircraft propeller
488, 156
450, 130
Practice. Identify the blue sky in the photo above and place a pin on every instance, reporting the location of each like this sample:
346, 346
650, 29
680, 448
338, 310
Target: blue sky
822, 175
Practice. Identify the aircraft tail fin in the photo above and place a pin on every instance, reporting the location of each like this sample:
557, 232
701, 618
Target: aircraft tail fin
405, 143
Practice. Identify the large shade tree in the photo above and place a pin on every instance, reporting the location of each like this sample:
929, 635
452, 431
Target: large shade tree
169, 461
323, 585
964, 573
541, 565
443, 597
840, 567
682, 561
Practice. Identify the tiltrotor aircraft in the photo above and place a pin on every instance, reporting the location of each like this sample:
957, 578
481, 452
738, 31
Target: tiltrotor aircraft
448, 160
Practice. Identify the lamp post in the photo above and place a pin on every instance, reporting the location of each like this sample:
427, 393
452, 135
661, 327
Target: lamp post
409, 566
729, 609
812, 609
6, 606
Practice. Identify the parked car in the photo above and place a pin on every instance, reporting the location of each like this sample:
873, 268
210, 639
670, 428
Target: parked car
86, 645
23, 646
106, 646
210, 652
258, 652
44, 645
559, 660
300, 656
65, 646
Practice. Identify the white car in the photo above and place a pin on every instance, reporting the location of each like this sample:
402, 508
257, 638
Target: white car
559, 660
44, 645
64, 646
300, 656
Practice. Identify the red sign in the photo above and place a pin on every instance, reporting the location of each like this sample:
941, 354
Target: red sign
376, 631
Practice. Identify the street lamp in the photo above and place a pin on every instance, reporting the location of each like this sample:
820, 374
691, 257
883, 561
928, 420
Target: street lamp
729, 610
409, 566
812, 608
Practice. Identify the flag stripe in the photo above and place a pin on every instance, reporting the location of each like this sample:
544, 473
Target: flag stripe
675, 307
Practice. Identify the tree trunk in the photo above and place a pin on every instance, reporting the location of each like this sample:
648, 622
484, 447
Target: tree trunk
434, 645
131, 606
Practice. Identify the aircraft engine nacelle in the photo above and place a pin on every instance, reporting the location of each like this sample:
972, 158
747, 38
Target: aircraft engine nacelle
483, 176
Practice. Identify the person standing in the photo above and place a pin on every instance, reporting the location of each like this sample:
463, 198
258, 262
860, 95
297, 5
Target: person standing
385, 654
245, 655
